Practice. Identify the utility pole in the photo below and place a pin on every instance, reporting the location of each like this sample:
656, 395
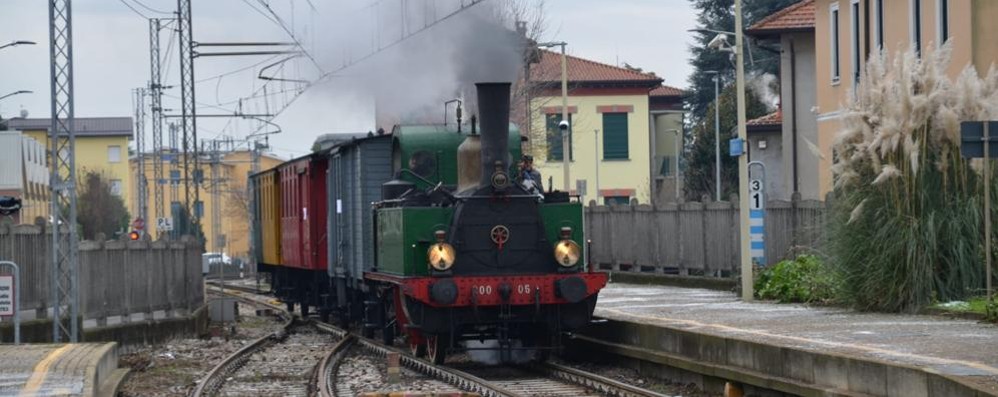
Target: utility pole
141, 208
156, 107
188, 124
174, 167
743, 183
62, 179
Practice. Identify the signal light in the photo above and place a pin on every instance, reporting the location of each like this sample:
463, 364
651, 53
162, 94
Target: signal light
134, 236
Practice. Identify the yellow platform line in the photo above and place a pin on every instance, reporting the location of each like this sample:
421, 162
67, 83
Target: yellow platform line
41, 371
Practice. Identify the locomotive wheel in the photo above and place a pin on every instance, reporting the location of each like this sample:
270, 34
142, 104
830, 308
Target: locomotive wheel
436, 348
417, 349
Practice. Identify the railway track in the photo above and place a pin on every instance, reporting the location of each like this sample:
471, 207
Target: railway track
546, 379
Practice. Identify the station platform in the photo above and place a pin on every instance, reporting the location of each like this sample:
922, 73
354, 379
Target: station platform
81, 369
846, 352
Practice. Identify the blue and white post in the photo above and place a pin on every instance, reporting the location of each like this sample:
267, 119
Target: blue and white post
757, 214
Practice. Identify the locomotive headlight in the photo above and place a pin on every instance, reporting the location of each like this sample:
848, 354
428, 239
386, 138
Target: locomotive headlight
567, 253
441, 255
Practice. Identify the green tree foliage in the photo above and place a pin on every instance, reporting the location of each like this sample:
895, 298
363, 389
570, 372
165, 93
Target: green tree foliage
99, 210
699, 156
719, 15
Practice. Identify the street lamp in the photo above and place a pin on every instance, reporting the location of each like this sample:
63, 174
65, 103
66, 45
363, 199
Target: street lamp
678, 144
717, 133
16, 93
19, 42
566, 149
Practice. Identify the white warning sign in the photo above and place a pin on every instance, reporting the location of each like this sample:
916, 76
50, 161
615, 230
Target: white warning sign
6, 296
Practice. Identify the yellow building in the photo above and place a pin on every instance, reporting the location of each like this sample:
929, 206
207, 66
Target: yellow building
611, 114
101, 146
234, 169
847, 32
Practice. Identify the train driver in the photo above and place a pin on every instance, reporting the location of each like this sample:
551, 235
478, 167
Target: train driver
530, 178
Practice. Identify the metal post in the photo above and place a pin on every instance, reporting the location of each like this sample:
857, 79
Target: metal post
191, 163
216, 215
156, 107
596, 153
141, 209
676, 176
17, 300
717, 137
987, 208
743, 188
566, 143
62, 137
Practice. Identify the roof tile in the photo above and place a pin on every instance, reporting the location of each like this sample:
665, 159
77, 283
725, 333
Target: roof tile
775, 118
585, 71
83, 126
796, 17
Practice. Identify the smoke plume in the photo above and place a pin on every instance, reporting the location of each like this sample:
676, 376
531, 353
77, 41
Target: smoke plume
410, 81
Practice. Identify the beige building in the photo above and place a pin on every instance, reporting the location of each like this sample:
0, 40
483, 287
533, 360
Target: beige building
24, 175
847, 32
782, 140
623, 124
233, 201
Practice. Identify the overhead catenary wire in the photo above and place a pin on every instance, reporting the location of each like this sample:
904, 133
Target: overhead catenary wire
141, 4
133, 9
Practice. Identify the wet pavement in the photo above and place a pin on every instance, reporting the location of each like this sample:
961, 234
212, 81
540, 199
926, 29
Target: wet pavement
948, 346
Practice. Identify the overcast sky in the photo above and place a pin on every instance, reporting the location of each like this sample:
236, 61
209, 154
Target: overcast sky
111, 45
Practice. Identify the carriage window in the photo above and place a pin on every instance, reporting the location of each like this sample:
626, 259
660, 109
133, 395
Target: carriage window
423, 163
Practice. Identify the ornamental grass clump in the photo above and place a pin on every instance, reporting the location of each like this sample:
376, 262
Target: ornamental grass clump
906, 222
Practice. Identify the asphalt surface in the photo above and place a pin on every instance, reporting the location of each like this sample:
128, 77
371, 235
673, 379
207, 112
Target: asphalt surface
949, 346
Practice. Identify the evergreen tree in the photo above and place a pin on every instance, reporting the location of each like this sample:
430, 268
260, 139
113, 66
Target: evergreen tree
719, 15
699, 158
100, 210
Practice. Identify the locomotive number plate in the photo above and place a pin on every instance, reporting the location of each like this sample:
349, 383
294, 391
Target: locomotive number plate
519, 289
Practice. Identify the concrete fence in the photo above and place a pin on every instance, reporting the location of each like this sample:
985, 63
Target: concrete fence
120, 281
696, 238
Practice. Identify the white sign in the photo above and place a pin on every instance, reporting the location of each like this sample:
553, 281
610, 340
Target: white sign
339, 206
756, 201
6, 295
755, 185
164, 224
580, 186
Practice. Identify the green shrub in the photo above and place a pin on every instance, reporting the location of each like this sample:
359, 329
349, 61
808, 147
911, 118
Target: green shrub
803, 280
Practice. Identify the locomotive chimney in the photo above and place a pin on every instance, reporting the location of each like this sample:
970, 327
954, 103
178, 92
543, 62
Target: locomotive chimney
493, 113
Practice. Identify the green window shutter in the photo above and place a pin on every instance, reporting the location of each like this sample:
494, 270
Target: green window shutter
555, 151
615, 136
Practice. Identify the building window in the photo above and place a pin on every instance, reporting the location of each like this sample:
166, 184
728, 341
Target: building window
555, 151
916, 26
116, 187
114, 154
199, 209
942, 22
878, 24
833, 23
175, 177
857, 63
616, 200
615, 136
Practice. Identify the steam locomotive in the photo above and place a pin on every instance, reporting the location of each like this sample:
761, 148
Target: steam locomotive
424, 233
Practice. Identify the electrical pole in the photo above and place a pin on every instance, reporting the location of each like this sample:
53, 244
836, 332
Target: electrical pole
174, 183
743, 183
62, 141
156, 107
188, 124
141, 209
